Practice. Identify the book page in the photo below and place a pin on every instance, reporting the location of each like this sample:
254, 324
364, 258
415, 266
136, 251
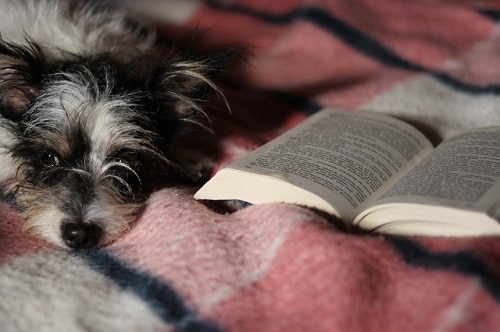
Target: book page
346, 158
463, 172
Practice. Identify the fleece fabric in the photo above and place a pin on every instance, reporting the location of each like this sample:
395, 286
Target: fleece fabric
189, 266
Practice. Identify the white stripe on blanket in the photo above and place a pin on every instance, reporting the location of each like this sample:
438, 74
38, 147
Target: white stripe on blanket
69, 295
442, 108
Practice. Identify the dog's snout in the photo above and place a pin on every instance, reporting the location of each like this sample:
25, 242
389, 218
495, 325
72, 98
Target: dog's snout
80, 235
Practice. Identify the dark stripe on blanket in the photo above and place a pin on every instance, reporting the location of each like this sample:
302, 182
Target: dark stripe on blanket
307, 106
356, 40
493, 15
462, 262
163, 300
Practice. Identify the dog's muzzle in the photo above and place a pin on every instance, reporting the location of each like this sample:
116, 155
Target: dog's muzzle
81, 235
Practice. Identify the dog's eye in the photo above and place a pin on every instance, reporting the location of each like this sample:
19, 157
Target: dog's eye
128, 162
50, 159
127, 158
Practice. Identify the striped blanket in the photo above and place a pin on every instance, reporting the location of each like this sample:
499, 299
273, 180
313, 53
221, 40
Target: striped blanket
186, 266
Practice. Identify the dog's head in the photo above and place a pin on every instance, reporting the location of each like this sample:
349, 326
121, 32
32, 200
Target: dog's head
87, 135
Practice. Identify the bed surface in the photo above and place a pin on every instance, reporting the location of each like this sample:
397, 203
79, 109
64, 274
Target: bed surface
186, 266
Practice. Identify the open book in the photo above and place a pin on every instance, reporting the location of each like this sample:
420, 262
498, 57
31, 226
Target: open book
375, 172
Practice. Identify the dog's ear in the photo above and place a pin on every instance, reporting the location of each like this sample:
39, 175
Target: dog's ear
182, 83
20, 73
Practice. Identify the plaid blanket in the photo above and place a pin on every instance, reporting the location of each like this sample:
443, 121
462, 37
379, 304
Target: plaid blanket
187, 266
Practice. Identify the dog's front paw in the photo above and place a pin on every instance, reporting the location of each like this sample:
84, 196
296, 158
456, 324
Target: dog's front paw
199, 169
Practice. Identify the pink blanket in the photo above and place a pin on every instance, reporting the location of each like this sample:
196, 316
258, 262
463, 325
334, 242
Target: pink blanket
186, 266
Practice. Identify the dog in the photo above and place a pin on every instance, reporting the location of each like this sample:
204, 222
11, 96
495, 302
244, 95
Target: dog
90, 108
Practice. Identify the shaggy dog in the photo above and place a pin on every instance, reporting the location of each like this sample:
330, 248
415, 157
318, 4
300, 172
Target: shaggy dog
89, 103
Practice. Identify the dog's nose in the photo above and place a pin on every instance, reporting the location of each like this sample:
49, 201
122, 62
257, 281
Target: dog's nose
80, 235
